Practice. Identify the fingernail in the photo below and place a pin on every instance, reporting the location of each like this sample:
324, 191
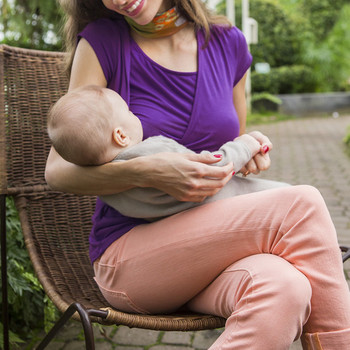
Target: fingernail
233, 173
217, 155
266, 149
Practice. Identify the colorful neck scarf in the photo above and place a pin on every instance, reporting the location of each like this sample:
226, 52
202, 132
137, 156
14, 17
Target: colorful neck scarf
163, 24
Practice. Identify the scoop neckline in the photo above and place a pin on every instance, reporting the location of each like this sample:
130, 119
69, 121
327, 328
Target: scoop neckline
138, 48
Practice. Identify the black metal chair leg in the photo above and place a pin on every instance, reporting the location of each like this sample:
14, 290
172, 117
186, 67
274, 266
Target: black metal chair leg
85, 319
5, 312
345, 250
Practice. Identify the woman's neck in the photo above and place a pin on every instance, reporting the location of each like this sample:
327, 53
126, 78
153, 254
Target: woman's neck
166, 5
176, 52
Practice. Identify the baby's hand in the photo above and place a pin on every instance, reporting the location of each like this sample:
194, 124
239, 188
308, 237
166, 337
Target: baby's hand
252, 144
261, 160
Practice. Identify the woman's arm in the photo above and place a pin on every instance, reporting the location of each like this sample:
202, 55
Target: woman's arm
239, 101
86, 68
185, 177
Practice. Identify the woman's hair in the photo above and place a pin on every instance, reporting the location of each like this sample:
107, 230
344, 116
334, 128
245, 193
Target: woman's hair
78, 13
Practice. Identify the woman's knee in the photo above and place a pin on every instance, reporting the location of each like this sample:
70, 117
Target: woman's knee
280, 284
309, 214
306, 195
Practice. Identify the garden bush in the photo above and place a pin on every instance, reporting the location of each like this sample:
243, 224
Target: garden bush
264, 101
285, 80
29, 309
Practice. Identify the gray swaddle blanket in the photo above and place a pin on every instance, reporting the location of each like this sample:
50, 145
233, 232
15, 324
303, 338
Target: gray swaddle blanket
150, 203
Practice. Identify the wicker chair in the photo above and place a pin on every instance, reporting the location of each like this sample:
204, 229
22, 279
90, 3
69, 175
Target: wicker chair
55, 225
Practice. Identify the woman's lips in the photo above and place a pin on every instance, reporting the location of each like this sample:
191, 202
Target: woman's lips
134, 8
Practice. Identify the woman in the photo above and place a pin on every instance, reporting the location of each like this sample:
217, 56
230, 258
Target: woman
269, 262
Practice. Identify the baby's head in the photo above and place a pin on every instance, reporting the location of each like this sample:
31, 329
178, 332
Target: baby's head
91, 125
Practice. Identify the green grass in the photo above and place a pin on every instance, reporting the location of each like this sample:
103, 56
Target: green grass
255, 118
347, 141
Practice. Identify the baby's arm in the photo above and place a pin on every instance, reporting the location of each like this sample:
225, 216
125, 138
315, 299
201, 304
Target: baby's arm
239, 152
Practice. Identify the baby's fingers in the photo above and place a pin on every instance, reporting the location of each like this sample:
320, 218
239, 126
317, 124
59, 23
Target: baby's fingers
262, 161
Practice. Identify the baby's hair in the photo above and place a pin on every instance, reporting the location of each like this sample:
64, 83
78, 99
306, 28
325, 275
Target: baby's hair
79, 127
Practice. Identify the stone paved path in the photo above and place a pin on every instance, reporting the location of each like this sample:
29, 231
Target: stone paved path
306, 151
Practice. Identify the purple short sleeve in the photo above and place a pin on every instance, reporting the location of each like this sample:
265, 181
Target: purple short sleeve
244, 57
109, 38
238, 57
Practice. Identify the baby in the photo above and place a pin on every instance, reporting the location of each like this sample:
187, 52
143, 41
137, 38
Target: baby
92, 125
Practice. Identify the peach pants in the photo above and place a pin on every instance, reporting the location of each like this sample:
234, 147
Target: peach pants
269, 262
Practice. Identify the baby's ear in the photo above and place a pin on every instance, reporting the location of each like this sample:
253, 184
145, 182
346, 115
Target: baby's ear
120, 138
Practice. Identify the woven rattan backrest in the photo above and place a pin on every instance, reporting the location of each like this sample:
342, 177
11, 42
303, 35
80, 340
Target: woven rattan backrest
30, 82
55, 225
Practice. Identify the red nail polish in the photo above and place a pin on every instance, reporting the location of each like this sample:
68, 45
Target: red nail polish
233, 173
266, 148
217, 155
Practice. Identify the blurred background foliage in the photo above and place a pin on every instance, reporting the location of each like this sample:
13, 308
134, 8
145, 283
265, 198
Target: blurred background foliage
31, 24
305, 42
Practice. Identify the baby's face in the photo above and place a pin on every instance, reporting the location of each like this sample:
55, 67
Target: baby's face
124, 117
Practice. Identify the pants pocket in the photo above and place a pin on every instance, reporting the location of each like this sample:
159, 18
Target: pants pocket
121, 301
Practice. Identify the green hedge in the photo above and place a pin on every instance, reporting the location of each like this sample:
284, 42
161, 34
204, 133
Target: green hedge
284, 80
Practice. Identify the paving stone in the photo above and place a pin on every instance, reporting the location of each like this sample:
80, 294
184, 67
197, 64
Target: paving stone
109, 331
336, 211
125, 347
103, 346
344, 238
80, 345
71, 330
342, 220
53, 345
133, 336
296, 346
74, 345
177, 338
204, 339
170, 347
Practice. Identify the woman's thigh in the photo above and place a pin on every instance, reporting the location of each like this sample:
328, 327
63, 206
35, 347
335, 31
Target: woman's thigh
158, 267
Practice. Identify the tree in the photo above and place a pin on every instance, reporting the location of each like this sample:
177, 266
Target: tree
330, 58
278, 40
31, 23
322, 15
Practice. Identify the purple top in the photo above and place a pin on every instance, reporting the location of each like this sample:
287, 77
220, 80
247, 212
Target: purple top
195, 109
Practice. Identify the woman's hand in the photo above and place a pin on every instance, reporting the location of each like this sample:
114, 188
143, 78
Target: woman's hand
261, 161
187, 177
